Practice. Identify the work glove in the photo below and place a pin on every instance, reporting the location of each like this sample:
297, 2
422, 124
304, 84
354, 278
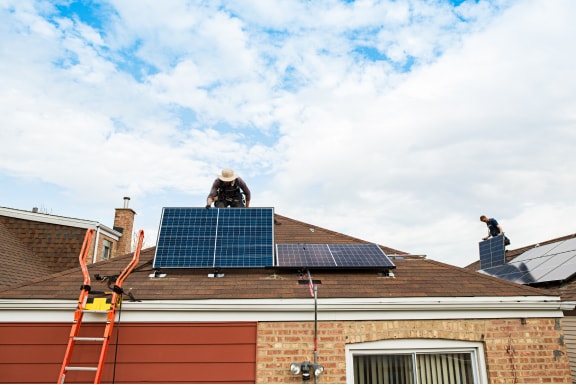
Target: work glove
207, 207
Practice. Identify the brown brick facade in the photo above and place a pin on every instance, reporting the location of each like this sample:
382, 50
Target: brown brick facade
124, 222
517, 350
100, 247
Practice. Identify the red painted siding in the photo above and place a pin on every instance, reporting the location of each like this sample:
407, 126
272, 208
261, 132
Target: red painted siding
145, 353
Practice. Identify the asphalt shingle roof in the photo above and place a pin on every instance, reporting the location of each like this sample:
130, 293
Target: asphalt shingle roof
17, 262
413, 277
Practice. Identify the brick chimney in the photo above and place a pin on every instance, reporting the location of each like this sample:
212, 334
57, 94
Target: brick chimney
124, 223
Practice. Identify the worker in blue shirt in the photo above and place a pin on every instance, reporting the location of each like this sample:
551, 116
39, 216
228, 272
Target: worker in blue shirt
494, 228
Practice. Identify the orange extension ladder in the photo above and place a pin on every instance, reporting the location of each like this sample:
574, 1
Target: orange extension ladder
115, 303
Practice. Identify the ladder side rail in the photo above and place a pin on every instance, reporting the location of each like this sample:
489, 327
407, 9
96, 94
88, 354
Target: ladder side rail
83, 257
115, 302
106, 343
135, 258
78, 314
86, 245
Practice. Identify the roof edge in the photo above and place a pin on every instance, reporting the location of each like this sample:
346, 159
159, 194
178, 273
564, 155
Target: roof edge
57, 220
551, 302
274, 310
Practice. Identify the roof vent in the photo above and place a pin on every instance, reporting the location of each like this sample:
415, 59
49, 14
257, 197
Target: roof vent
34, 209
126, 201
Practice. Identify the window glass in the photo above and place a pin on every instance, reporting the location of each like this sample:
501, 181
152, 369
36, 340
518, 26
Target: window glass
106, 249
429, 368
415, 361
383, 369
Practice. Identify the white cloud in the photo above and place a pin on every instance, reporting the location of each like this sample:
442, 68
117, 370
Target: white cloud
481, 123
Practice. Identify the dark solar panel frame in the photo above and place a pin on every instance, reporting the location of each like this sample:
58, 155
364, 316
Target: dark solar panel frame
492, 252
360, 256
191, 237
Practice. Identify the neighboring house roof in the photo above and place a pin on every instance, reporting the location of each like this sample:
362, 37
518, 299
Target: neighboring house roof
511, 254
34, 244
58, 220
566, 290
17, 262
413, 277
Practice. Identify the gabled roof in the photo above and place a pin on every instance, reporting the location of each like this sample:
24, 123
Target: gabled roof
413, 277
36, 244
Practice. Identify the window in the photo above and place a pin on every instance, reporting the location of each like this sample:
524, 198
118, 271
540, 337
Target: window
415, 362
106, 249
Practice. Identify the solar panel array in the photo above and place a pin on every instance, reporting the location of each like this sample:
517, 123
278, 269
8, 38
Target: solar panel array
203, 238
548, 263
192, 237
492, 252
298, 255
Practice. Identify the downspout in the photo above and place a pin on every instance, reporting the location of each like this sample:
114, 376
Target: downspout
94, 256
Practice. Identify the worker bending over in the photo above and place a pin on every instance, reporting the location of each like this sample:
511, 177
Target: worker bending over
228, 190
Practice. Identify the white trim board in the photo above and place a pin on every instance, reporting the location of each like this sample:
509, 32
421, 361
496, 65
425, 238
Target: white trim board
333, 309
58, 220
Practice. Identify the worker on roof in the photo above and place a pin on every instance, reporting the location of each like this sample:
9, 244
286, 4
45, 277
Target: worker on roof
494, 228
228, 190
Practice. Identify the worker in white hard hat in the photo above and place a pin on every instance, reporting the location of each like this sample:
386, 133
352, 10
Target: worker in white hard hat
228, 190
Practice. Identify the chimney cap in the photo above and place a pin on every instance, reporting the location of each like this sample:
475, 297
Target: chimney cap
126, 201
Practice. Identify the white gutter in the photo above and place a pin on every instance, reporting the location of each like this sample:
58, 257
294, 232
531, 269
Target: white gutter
299, 309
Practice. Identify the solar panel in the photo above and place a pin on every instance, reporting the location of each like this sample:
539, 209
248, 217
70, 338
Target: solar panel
517, 274
547, 263
291, 255
492, 252
229, 237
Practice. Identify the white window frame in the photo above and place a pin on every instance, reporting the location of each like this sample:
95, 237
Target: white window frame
106, 250
411, 346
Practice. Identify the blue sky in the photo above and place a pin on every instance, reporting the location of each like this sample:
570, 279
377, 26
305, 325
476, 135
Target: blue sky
398, 122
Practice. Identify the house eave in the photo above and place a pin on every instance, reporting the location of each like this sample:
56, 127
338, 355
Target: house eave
298, 309
59, 220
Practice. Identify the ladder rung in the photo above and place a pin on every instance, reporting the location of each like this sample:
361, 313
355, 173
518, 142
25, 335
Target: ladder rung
82, 368
88, 338
95, 311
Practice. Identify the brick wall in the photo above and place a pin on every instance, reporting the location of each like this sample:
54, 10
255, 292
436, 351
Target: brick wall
100, 247
124, 219
517, 351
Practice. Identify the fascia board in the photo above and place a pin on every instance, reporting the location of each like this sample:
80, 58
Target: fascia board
58, 220
48, 218
297, 309
115, 235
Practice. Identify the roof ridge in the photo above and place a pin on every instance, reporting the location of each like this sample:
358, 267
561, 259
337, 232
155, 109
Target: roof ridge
321, 228
336, 233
